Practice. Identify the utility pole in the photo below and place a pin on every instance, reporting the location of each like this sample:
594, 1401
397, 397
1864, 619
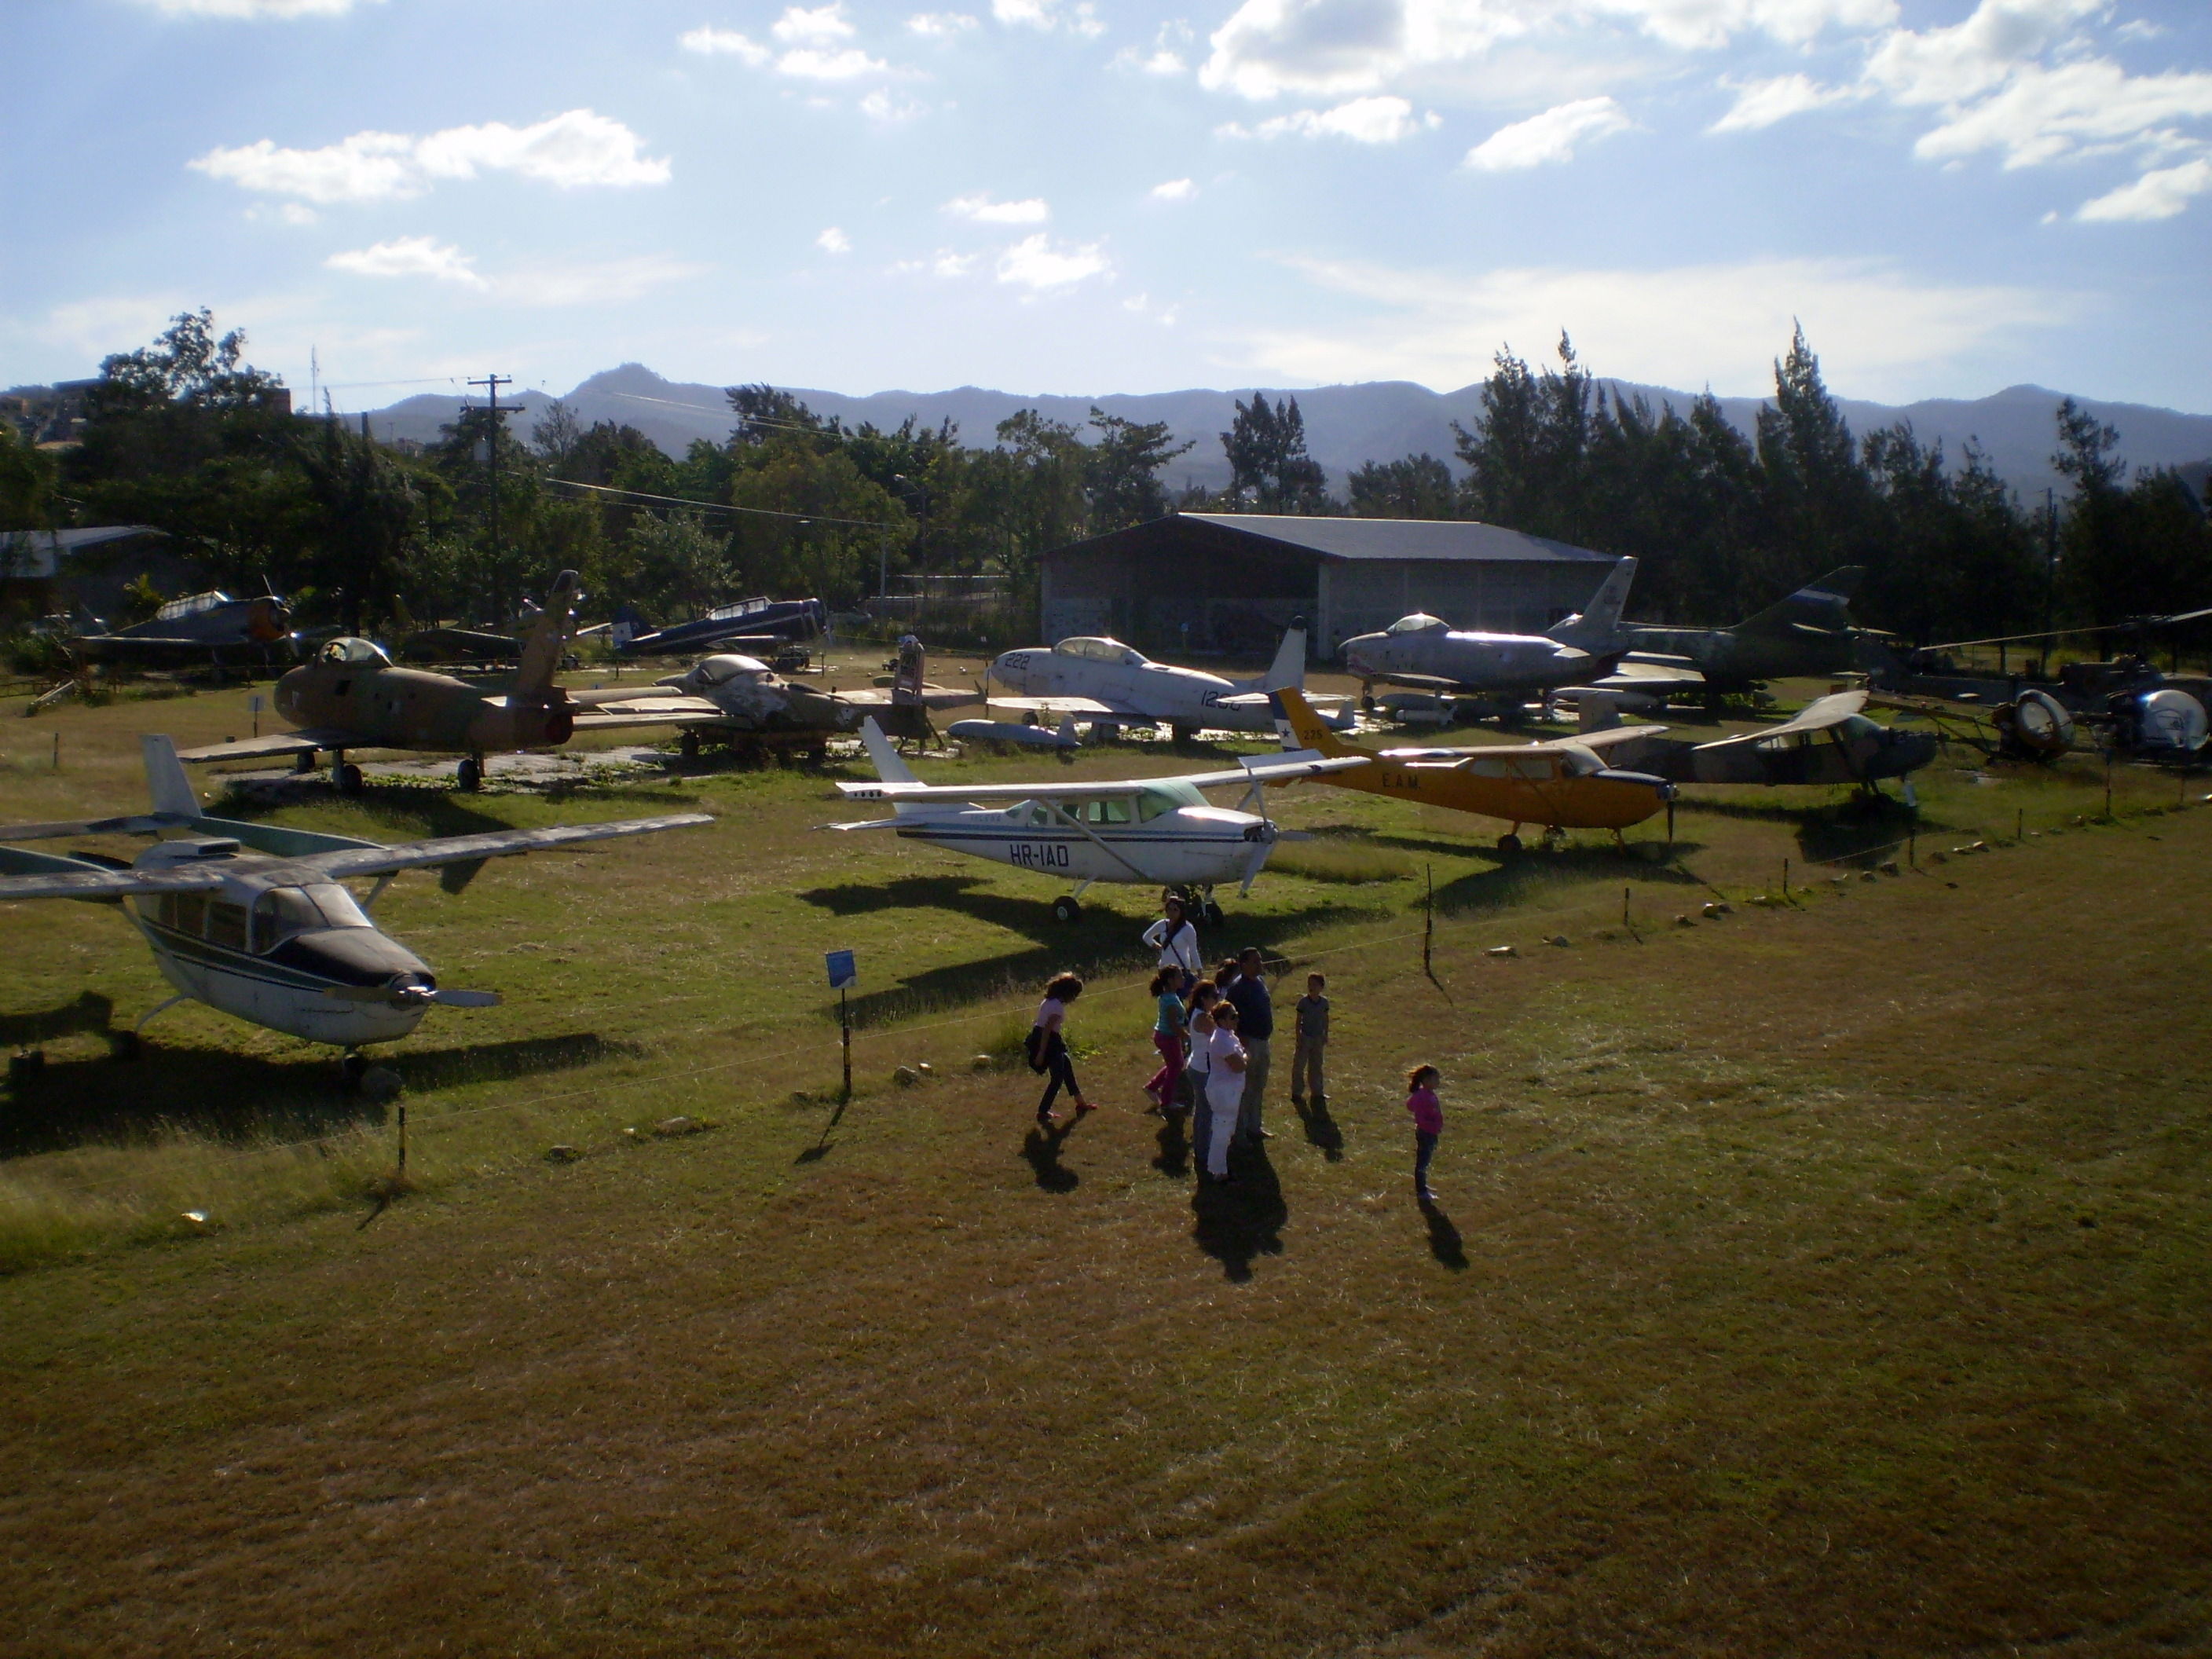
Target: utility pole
491, 383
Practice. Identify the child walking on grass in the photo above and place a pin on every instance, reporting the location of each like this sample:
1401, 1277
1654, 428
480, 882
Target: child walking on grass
1168, 1026
1048, 1049
1428, 1113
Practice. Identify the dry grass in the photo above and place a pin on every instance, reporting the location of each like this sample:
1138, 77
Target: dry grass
1822, 1279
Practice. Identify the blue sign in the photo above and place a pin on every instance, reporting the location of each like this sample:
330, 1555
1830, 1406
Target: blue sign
842, 972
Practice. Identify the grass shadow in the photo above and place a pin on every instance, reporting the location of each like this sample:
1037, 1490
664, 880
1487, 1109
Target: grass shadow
1237, 1223
1040, 1151
1173, 1158
91, 1011
240, 1099
1444, 1238
1512, 879
1321, 1130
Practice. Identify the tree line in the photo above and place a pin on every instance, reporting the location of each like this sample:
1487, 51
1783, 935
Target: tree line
186, 435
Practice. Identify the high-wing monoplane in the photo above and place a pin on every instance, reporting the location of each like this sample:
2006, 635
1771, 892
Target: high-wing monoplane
1157, 831
1567, 785
1832, 741
351, 695
271, 935
1426, 653
1102, 682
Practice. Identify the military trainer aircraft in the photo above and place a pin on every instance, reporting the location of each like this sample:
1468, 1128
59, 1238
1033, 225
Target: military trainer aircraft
1157, 831
210, 627
1424, 652
1561, 785
350, 696
270, 936
1102, 682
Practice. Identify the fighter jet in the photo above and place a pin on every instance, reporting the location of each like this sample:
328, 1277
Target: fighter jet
210, 627
1425, 652
1157, 831
1809, 633
1561, 785
1102, 682
351, 696
270, 936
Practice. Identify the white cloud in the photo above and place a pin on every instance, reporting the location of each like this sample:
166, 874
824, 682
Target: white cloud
822, 26
1948, 65
1167, 54
708, 41
1268, 47
2157, 195
817, 64
1034, 263
834, 240
1173, 190
410, 256
251, 10
981, 210
1363, 120
940, 24
2044, 114
954, 265
1081, 19
1551, 137
880, 106
1759, 104
1881, 330
281, 213
572, 149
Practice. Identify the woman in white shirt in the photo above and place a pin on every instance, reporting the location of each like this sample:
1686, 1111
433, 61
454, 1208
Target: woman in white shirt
1225, 1088
1176, 941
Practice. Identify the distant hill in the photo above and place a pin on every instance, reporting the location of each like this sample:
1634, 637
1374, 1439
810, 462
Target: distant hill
1346, 425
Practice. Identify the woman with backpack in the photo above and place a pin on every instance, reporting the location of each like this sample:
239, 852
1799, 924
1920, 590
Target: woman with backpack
1047, 1048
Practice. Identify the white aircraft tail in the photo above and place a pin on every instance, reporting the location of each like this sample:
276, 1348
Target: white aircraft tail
889, 767
1598, 628
166, 782
1288, 670
545, 637
1596, 712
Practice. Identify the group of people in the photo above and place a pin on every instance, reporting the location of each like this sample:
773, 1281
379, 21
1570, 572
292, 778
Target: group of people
1215, 1037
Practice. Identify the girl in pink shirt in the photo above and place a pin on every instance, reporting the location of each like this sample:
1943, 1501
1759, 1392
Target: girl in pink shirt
1428, 1113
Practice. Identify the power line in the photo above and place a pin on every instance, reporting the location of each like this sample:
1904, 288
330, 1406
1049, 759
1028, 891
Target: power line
722, 506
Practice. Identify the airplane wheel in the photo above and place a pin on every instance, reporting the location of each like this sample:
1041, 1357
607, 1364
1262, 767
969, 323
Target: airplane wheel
687, 744
124, 1046
469, 775
1212, 914
352, 1066
1509, 843
1066, 909
347, 776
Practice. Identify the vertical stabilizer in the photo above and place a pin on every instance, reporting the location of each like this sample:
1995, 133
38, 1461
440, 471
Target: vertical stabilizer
1289, 668
166, 782
1307, 731
545, 637
1824, 604
1597, 629
888, 766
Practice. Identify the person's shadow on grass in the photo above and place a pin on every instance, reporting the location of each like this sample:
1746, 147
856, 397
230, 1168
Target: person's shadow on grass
1243, 1218
1443, 1237
1321, 1128
1174, 1158
1040, 1151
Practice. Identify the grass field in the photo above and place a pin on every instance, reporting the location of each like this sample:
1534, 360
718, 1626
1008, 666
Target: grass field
1824, 1278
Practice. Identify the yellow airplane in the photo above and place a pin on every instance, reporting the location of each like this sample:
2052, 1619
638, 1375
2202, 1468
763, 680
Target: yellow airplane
1560, 785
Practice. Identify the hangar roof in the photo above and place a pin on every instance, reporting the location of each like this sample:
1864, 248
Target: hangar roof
1360, 539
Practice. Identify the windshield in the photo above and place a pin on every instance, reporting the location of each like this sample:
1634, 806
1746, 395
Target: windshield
1420, 622
362, 653
281, 912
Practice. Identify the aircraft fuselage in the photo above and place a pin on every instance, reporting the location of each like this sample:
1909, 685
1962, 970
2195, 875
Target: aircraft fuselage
391, 707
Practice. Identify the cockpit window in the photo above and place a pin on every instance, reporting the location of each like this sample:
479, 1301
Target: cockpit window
1106, 811
1097, 650
1420, 622
1154, 803
281, 912
355, 653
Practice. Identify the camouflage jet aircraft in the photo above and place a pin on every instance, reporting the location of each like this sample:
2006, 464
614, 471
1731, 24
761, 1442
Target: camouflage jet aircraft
1809, 633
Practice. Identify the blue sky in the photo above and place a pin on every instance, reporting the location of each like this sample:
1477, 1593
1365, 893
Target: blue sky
1053, 196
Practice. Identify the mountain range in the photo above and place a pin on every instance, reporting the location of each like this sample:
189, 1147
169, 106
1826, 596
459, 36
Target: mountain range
1346, 425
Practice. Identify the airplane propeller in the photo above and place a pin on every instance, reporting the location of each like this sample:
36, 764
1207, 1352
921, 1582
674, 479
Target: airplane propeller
407, 991
1262, 836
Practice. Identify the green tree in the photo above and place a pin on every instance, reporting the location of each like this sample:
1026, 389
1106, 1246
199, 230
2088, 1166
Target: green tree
1818, 499
27, 482
1528, 460
1265, 445
1122, 474
1417, 487
367, 513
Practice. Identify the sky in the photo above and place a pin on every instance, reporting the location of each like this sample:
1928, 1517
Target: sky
1086, 196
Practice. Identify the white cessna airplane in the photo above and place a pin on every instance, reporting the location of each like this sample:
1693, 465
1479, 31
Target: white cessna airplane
270, 936
1156, 831
1102, 682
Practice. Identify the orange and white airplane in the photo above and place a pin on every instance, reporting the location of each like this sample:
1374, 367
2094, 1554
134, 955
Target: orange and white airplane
1561, 785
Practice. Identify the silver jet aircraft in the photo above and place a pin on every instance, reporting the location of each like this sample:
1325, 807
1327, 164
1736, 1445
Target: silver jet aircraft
1153, 831
1102, 682
1425, 652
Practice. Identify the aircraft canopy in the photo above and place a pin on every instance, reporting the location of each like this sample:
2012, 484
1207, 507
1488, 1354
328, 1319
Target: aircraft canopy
354, 653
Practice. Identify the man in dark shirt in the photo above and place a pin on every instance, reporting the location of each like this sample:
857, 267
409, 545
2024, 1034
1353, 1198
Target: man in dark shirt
1255, 1026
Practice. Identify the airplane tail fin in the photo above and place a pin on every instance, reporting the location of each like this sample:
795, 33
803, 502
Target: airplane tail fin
1304, 729
1596, 712
1289, 667
545, 637
1824, 604
889, 767
1597, 627
166, 783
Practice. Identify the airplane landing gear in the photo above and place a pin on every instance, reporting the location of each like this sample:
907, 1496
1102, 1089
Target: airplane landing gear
352, 1066
687, 744
1065, 910
345, 776
1509, 843
469, 775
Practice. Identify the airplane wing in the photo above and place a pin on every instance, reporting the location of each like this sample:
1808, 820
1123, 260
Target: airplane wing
73, 878
1646, 671
1065, 706
643, 692
1259, 700
1600, 741
652, 711
147, 824
1817, 715
497, 844
1044, 789
278, 745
